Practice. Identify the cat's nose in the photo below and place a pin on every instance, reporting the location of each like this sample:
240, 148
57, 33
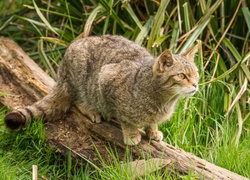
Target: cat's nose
195, 85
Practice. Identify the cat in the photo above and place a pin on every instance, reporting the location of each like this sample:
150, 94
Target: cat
112, 77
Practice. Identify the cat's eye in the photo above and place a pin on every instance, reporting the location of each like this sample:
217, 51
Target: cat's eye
182, 76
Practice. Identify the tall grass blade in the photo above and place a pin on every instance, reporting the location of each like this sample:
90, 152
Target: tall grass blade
83, 157
144, 30
238, 96
204, 8
113, 14
179, 16
211, 10
132, 14
39, 13
246, 14
45, 60
160, 40
91, 19
175, 36
69, 18
158, 21
195, 34
237, 56
186, 16
6, 23
246, 58
43, 25
203, 19
225, 32
232, 69
51, 12
56, 41
106, 24
69, 164
240, 125
232, 49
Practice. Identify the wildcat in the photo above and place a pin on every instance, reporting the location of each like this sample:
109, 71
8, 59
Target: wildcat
112, 77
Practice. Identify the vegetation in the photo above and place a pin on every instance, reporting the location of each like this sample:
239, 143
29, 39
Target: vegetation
215, 124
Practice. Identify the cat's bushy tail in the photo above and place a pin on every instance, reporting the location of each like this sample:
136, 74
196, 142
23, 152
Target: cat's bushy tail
49, 108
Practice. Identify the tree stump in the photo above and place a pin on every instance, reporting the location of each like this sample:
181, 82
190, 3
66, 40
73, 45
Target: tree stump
23, 82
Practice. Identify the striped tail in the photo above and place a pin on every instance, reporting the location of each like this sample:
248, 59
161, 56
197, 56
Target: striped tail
49, 108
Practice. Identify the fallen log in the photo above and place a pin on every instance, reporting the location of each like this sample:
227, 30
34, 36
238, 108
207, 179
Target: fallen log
23, 82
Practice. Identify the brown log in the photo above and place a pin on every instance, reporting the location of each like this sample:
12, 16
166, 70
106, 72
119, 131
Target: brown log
22, 82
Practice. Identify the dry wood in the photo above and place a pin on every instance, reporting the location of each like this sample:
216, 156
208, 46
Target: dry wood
22, 82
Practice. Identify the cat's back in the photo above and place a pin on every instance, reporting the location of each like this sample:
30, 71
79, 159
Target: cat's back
106, 49
85, 59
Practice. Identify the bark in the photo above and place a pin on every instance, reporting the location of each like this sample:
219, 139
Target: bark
23, 82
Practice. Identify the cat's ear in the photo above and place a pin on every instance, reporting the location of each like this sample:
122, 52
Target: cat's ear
189, 54
164, 61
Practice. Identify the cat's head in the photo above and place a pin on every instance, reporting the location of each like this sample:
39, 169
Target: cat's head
177, 73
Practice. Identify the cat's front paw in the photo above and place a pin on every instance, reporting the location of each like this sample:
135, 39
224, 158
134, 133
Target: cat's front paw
155, 135
96, 118
132, 141
93, 116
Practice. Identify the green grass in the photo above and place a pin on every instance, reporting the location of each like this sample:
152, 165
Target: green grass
206, 125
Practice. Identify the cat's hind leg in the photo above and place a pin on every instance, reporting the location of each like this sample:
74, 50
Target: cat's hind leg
131, 134
153, 133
